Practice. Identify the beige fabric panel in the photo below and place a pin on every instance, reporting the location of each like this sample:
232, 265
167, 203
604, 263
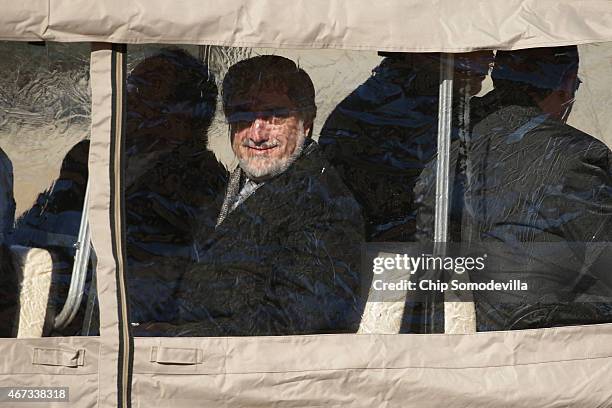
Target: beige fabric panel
23, 20
554, 385
20, 369
406, 25
99, 221
547, 367
34, 271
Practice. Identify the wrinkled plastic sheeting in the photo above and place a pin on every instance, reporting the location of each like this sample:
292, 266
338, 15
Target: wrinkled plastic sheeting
381, 140
386, 128
523, 178
174, 184
171, 229
45, 108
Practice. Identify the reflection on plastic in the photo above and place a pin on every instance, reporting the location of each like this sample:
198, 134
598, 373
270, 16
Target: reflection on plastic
44, 109
524, 176
384, 133
274, 248
283, 255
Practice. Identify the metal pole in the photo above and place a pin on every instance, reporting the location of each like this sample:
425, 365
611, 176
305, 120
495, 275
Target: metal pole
445, 113
459, 317
79, 271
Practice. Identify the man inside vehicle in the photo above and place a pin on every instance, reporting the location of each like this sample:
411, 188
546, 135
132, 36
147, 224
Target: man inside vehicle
539, 189
173, 185
284, 258
383, 134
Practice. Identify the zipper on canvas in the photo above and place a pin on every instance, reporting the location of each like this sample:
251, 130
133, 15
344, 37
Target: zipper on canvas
125, 342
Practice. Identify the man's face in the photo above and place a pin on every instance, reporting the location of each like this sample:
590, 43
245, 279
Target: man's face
558, 104
267, 132
149, 94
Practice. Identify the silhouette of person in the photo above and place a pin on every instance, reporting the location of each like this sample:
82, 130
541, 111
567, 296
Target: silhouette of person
381, 137
383, 134
539, 187
173, 184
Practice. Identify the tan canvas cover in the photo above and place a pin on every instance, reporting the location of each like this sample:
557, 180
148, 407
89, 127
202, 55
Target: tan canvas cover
52, 362
409, 25
558, 367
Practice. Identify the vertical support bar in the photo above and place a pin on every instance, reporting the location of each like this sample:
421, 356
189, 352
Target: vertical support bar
108, 71
445, 114
459, 316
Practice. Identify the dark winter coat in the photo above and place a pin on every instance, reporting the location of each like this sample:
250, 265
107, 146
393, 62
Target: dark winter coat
285, 261
380, 138
171, 199
543, 190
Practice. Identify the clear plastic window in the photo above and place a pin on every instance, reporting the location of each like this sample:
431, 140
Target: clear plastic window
265, 189
531, 191
44, 130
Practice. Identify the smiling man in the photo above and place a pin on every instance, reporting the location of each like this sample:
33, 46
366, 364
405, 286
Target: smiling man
269, 135
270, 108
284, 258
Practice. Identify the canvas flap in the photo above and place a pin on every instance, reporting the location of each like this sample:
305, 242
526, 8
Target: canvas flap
397, 25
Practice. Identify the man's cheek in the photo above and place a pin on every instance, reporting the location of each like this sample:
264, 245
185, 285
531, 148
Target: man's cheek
237, 138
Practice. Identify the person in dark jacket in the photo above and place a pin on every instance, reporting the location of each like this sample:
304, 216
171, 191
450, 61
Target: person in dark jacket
173, 186
174, 183
384, 133
541, 192
53, 223
284, 258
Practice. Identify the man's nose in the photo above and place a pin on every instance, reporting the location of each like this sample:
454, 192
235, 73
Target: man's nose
259, 132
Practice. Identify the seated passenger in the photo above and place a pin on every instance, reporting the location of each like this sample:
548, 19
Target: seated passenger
383, 134
284, 258
541, 188
173, 187
53, 223
174, 184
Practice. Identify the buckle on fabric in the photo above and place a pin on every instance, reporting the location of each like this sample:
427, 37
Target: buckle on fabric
58, 357
179, 356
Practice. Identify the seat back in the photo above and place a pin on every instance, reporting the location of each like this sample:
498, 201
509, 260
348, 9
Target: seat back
34, 269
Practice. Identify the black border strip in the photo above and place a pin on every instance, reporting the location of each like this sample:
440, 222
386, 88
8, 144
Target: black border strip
130, 345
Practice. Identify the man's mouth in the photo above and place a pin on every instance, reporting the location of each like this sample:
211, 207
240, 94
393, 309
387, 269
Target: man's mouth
261, 149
